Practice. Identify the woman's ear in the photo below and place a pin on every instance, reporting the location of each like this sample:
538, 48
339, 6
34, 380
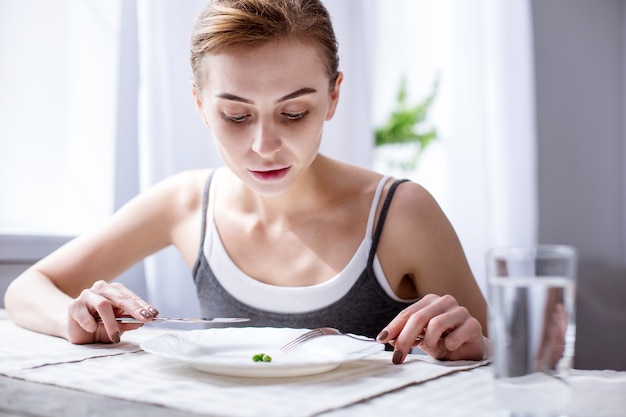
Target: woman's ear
198, 100
334, 96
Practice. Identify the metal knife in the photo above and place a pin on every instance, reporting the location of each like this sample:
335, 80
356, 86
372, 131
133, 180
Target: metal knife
185, 320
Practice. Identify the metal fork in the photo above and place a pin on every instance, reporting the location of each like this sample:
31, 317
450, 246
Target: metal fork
321, 331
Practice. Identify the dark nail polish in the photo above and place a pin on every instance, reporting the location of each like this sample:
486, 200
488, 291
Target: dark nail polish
146, 314
397, 357
382, 335
117, 337
154, 311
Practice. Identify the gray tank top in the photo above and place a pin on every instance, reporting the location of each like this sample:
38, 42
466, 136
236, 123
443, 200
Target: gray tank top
365, 309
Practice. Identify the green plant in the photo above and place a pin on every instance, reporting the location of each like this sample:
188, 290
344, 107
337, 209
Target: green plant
404, 125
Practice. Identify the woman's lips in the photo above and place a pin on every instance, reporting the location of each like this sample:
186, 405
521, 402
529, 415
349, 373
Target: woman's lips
270, 174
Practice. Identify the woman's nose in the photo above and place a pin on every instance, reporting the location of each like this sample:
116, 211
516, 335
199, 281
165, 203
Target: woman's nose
266, 141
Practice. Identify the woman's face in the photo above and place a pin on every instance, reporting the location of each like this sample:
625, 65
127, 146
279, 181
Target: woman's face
266, 108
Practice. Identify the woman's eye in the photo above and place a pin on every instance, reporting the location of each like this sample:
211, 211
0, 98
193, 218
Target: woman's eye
239, 118
295, 116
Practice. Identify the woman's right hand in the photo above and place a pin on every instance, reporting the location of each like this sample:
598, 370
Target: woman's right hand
91, 316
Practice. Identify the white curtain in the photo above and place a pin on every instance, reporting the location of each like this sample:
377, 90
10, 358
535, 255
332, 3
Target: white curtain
58, 64
172, 138
482, 168
491, 127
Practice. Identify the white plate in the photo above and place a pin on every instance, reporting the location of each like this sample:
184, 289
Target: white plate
229, 351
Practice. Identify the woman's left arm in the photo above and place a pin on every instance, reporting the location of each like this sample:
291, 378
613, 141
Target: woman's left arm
419, 246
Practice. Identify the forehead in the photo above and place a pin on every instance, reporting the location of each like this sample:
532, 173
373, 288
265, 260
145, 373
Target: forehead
275, 64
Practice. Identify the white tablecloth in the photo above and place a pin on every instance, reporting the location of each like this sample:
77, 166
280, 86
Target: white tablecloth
370, 387
125, 371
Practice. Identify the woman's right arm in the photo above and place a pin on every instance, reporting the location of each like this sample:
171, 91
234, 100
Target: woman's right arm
65, 293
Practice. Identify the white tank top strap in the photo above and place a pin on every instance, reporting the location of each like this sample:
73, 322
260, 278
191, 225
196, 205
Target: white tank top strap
211, 206
369, 230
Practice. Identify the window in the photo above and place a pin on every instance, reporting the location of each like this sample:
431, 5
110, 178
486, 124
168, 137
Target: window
58, 77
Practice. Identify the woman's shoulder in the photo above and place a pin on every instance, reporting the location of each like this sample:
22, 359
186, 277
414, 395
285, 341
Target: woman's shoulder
191, 177
409, 197
180, 193
189, 185
183, 182
412, 198
412, 214
415, 219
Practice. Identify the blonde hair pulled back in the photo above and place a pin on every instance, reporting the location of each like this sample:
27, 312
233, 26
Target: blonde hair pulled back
229, 25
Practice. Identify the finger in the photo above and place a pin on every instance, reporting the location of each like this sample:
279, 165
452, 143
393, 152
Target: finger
87, 307
104, 310
81, 312
124, 299
138, 299
443, 325
420, 323
464, 342
395, 326
113, 328
467, 332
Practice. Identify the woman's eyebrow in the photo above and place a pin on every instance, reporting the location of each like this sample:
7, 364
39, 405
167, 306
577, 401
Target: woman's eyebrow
298, 93
232, 97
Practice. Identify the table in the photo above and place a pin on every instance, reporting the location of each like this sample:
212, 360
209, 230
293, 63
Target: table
46, 376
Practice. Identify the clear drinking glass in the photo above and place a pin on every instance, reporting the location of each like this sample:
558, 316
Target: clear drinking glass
532, 319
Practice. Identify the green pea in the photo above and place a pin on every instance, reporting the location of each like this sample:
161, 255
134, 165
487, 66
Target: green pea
261, 357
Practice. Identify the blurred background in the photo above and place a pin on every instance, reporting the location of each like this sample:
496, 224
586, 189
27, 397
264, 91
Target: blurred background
95, 106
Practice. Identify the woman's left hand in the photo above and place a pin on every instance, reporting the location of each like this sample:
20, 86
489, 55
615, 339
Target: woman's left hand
446, 331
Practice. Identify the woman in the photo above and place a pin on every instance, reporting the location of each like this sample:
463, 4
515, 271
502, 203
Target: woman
282, 234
